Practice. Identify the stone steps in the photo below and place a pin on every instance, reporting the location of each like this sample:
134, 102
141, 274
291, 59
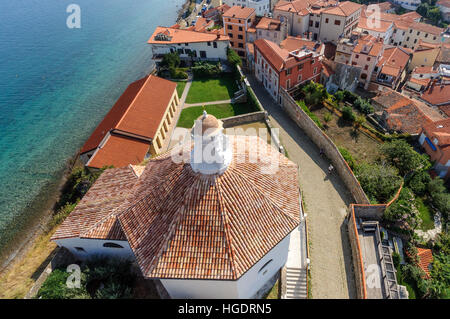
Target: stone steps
296, 283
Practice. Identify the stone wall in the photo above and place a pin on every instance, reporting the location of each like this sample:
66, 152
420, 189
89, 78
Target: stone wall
324, 142
358, 265
244, 119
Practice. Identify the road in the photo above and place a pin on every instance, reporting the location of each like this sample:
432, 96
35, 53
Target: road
326, 200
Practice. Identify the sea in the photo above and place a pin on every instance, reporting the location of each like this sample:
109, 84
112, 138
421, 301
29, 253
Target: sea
63, 64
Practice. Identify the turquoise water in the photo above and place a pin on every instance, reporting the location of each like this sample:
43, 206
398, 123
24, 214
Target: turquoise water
57, 83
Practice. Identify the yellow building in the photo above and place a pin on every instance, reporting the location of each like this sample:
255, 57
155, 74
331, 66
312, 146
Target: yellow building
424, 55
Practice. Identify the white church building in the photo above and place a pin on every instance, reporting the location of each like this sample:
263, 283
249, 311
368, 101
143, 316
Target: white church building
212, 224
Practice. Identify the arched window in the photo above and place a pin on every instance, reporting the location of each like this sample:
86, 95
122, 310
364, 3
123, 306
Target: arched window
262, 269
112, 245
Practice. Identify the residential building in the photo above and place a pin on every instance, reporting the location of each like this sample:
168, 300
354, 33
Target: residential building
271, 29
216, 13
386, 7
444, 7
138, 125
360, 51
262, 7
378, 28
204, 229
295, 62
408, 4
424, 55
411, 34
236, 22
391, 67
421, 78
326, 21
435, 139
189, 44
443, 56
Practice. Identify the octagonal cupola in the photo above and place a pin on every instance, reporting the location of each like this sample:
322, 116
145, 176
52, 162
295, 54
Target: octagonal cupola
211, 153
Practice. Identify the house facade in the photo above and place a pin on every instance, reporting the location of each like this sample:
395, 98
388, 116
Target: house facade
236, 22
295, 62
318, 20
138, 126
271, 29
424, 55
189, 44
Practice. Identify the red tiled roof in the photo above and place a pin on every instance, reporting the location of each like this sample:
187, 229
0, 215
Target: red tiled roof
425, 27
175, 36
295, 43
440, 130
437, 94
239, 12
345, 9
425, 259
381, 26
100, 202
393, 61
119, 151
268, 24
374, 45
182, 224
275, 55
113, 117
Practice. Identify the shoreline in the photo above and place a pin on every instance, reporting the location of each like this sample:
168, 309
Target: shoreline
43, 206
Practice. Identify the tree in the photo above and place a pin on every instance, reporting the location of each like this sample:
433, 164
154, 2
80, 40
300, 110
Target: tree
347, 114
380, 182
418, 182
170, 60
359, 121
339, 95
314, 93
401, 155
401, 209
233, 57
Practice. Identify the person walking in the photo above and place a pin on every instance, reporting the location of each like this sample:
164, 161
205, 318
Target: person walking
330, 169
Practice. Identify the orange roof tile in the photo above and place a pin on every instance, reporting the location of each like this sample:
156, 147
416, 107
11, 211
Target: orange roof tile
268, 24
393, 61
119, 151
425, 27
182, 224
296, 43
145, 112
437, 94
113, 117
239, 12
381, 26
345, 9
174, 36
425, 259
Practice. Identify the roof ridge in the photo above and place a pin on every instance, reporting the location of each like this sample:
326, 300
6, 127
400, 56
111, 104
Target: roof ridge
223, 215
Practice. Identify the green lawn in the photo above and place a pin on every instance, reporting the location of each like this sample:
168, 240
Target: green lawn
208, 90
190, 114
425, 215
410, 286
180, 88
273, 293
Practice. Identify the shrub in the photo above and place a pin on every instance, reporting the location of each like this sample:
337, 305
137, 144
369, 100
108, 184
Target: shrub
170, 60
204, 69
349, 96
363, 105
347, 156
55, 287
400, 154
327, 117
380, 182
339, 95
418, 182
347, 114
314, 93
310, 114
401, 209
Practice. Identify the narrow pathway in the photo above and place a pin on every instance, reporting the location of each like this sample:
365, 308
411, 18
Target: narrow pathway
208, 103
326, 200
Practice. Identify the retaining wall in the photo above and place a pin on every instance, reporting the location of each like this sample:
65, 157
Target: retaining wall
324, 142
244, 119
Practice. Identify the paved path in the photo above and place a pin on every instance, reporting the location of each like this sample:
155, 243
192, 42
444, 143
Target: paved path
207, 103
326, 202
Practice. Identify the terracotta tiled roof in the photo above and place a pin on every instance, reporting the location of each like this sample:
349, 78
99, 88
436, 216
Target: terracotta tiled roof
98, 206
445, 109
383, 6
268, 24
444, 54
184, 36
344, 9
425, 259
441, 131
425, 27
119, 151
404, 114
182, 224
138, 111
239, 12
275, 55
393, 61
381, 26
114, 115
423, 81
444, 3
295, 43
374, 45
437, 94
